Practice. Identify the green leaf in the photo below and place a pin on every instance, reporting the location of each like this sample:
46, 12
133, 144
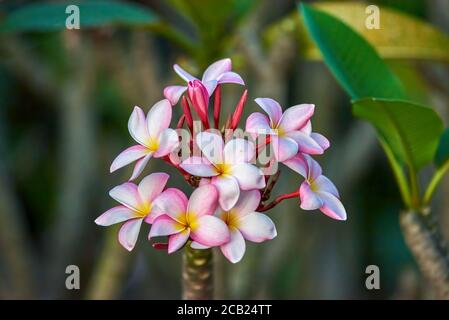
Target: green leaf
442, 155
352, 60
45, 17
412, 131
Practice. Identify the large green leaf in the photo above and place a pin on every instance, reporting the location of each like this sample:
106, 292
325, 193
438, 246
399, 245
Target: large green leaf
352, 60
52, 16
442, 155
401, 36
412, 131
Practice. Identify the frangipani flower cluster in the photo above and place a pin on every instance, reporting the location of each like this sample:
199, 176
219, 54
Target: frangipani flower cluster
231, 182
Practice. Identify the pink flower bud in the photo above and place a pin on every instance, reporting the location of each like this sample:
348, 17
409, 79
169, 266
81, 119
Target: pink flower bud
200, 99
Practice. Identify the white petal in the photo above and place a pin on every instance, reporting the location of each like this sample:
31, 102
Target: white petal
216, 69
115, 215
140, 165
152, 185
284, 148
183, 74
231, 77
332, 206
321, 140
294, 118
272, 108
174, 93
211, 144
177, 241
257, 227
137, 126
199, 166
247, 203
168, 142
258, 123
238, 151
248, 176
234, 250
228, 191
128, 195
129, 155
129, 232
159, 118
299, 164
324, 184
306, 144
309, 199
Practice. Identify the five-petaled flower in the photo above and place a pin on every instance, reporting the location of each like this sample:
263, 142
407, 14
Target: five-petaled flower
180, 218
137, 205
217, 73
227, 165
153, 134
244, 223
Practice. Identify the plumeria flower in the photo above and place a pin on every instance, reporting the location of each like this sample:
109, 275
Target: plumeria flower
285, 128
217, 73
244, 223
317, 191
153, 134
136, 206
180, 218
226, 165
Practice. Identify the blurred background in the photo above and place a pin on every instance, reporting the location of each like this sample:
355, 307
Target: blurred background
65, 100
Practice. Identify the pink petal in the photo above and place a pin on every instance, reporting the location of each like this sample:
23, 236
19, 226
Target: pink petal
313, 168
168, 142
332, 206
137, 126
198, 246
164, 226
257, 227
140, 165
203, 182
128, 195
321, 140
272, 108
238, 151
172, 202
248, 176
210, 231
177, 241
199, 166
309, 199
127, 156
294, 118
210, 86
247, 203
258, 123
159, 118
203, 201
299, 164
183, 74
115, 215
234, 250
324, 184
211, 144
231, 77
152, 185
306, 144
307, 128
216, 69
228, 191
128, 233
284, 148
174, 93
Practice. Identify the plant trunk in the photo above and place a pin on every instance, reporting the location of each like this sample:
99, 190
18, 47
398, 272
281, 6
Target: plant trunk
429, 249
197, 274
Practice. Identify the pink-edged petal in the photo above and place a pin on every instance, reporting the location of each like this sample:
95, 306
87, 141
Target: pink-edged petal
231, 77
238, 151
258, 123
216, 69
128, 195
332, 206
164, 226
228, 191
272, 108
128, 233
199, 166
198, 246
168, 142
152, 185
313, 168
129, 155
210, 231
159, 118
294, 118
140, 165
299, 164
321, 140
211, 144
234, 250
210, 86
257, 227
284, 148
137, 126
307, 128
309, 199
306, 144
115, 215
174, 93
248, 176
247, 203
177, 241
203, 201
323, 184
183, 74
171, 202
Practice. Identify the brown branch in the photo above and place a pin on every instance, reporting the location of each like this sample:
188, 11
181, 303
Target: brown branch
197, 274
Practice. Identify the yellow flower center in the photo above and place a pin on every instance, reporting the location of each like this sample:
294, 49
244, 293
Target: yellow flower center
222, 168
314, 187
231, 219
191, 221
152, 144
280, 132
144, 210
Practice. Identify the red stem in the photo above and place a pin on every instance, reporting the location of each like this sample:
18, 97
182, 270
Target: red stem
181, 121
217, 106
187, 113
278, 200
239, 110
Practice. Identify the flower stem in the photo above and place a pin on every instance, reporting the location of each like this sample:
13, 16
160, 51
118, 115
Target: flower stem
197, 274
